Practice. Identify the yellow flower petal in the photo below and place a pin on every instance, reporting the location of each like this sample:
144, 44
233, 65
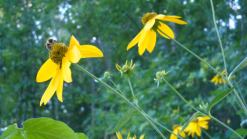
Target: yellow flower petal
73, 53
46, 71
88, 51
152, 41
177, 130
204, 118
135, 40
52, 87
203, 124
119, 135
198, 131
59, 91
144, 41
142, 137
161, 16
174, 19
66, 70
173, 16
166, 30
149, 24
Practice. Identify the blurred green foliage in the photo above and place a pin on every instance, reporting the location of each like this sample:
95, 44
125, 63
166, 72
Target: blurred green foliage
110, 24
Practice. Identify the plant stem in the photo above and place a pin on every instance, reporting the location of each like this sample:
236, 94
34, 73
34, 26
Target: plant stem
194, 54
122, 96
191, 52
197, 110
156, 122
236, 68
218, 35
242, 104
131, 88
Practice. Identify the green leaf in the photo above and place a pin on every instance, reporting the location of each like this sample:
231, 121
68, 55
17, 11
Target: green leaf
46, 128
12, 132
42, 128
81, 136
221, 95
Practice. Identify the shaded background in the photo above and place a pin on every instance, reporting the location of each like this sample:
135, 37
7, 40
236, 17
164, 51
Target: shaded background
25, 26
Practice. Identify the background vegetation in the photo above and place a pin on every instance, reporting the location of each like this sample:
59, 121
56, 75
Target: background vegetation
110, 24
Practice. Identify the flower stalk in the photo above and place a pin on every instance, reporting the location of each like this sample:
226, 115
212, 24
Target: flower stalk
123, 97
199, 111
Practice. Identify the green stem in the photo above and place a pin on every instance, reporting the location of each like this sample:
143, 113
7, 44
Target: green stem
207, 134
210, 66
197, 110
122, 96
131, 88
242, 104
218, 35
194, 54
236, 68
155, 121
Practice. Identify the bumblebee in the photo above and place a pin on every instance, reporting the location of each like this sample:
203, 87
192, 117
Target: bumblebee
49, 43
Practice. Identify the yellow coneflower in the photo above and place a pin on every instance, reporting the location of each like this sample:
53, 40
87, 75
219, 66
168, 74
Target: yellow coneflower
218, 79
195, 126
57, 67
153, 23
177, 131
119, 136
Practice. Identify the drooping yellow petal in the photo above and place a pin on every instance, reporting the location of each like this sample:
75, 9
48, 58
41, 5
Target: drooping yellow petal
89, 51
174, 19
144, 41
162, 34
135, 40
177, 130
52, 87
203, 124
141, 137
73, 53
59, 91
66, 70
203, 118
173, 16
166, 31
46, 71
149, 24
119, 135
152, 41
198, 131
161, 16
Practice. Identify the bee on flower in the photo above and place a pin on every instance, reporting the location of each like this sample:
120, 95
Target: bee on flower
127, 68
154, 23
196, 125
119, 136
177, 131
57, 67
218, 79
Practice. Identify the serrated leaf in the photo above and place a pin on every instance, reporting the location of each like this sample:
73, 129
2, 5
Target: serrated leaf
221, 95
